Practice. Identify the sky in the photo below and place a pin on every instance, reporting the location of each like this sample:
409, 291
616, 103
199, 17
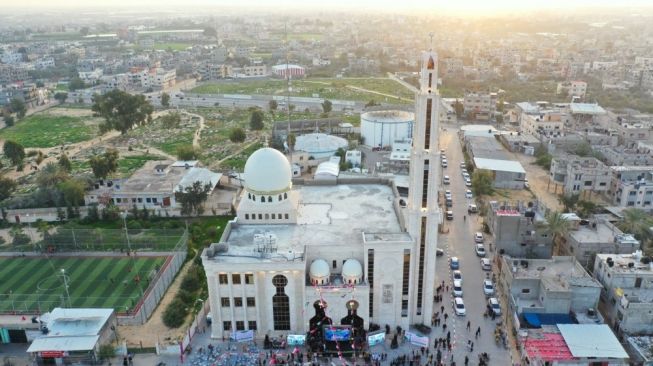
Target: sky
395, 5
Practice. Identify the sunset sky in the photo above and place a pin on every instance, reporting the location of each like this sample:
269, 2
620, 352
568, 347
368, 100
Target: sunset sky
408, 5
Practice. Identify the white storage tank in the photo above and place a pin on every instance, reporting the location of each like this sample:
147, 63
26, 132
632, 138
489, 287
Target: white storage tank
320, 145
381, 128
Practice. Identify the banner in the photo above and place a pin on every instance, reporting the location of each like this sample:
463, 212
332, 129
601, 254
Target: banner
296, 339
416, 340
243, 335
376, 338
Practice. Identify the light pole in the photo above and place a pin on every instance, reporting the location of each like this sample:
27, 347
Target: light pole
129, 247
65, 285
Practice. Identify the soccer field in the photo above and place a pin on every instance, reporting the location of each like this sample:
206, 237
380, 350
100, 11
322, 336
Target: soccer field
37, 285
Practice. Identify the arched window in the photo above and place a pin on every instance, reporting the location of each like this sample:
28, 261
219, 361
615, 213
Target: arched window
246, 216
280, 216
286, 216
280, 304
249, 195
269, 198
253, 197
273, 217
285, 196
431, 64
262, 198
280, 198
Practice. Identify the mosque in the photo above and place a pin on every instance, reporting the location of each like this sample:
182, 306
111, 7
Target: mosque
328, 261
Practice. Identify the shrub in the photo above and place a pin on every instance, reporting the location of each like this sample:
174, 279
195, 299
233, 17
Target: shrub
175, 314
186, 297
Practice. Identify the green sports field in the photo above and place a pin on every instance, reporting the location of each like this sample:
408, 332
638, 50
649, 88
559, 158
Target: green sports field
36, 284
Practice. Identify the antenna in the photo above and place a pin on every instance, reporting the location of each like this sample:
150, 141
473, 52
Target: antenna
431, 42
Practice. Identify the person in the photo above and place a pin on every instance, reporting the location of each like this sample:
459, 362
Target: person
469, 324
464, 217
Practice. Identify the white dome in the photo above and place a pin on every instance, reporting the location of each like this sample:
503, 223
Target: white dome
319, 268
267, 171
352, 268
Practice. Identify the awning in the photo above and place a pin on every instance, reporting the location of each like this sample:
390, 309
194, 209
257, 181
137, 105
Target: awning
45, 344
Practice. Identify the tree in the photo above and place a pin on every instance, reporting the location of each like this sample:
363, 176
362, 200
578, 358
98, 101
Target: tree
371, 103
171, 120
237, 135
637, 222
273, 105
187, 152
73, 191
292, 139
14, 152
121, 110
18, 106
165, 100
459, 108
61, 97
76, 83
84, 31
482, 182
569, 201
64, 163
256, 120
7, 187
50, 176
327, 106
192, 198
105, 164
9, 120
557, 225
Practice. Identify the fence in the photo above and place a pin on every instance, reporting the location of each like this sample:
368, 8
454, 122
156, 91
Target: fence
158, 286
197, 325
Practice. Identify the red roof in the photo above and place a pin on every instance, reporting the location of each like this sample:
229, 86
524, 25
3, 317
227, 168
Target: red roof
551, 347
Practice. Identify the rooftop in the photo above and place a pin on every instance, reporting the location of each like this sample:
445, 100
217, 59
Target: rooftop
499, 165
592, 340
586, 108
557, 272
327, 215
486, 147
642, 345
622, 263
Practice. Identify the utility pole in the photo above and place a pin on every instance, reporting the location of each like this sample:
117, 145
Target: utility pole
65, 285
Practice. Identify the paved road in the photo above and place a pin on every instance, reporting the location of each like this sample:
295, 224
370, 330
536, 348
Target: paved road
459, 242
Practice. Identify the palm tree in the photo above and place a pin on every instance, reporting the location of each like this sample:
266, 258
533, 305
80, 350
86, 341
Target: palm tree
557, 226
638, 223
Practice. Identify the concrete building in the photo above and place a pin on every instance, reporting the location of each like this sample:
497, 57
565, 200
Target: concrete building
580, 174
559, 285
291, 249
628, 292
572, 89
595, 236
488, 154
545, 125
255, 70
452, 66
520, 142
519, 230
90, 77
211, 71
632, 186
282, 71
152, 186
480, 106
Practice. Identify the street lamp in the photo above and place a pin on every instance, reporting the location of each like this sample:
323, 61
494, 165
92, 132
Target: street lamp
65, 284
129, 247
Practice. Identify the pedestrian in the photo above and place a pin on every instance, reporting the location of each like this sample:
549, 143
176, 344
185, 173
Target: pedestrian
469, 324
442, 309
444, 327
130, 359
472, 349
124, 361
493, 315
446, 316
447, 288
449, 336
466, 360
478, 332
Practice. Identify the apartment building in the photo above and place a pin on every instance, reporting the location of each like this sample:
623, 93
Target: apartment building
479, 105
518, 229
632, 186
572, 89
580, 174
587, 238
627, 296
559, 285
255, 70
451, 66
210, 71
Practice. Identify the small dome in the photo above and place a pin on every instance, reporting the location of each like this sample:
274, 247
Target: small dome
319, 269
352, 269
267, 171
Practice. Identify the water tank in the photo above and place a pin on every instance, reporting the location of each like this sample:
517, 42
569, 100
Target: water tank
382, 128
320, 145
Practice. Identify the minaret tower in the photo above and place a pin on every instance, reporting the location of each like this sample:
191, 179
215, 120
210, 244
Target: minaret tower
423, 211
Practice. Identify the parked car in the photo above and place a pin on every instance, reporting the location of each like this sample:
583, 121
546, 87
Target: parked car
457, 289
493, 303
486, 265
468, 182
444, 163
478, 237
463, 166
459, 305
446, 180
448, 202
439, 252
449, 215
469, 194
526, 185
480, 250
454, 263
447, 193
472, 208
457, 276
488, 287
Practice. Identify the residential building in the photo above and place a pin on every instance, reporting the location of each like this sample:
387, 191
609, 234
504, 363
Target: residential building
255, 70
628, 292
572, 89
152, 186
479, 105
545, 124
559, 285
452, 66
632, 186
520, 142
488, 154
597, 235
639, 155
580, 174
210, 71
12, 73
519, 229
90, 77
12, 57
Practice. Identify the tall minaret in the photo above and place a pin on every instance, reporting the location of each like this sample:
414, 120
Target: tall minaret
423, 210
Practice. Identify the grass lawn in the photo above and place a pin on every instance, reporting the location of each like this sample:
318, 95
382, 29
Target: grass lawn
34, 284
238, 162
126, 165
43, 130
322, 87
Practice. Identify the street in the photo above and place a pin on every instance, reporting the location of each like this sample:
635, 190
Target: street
458, 241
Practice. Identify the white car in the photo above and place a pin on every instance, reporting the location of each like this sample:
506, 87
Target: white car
446, 180
459, 306
493, 303
468, 182
480, 250
526, 185
469, 194
464, 173
463, 166
486, 265
444, 163
478, 237
457, 276
457, 288
447, 194
449, 215
488, 287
